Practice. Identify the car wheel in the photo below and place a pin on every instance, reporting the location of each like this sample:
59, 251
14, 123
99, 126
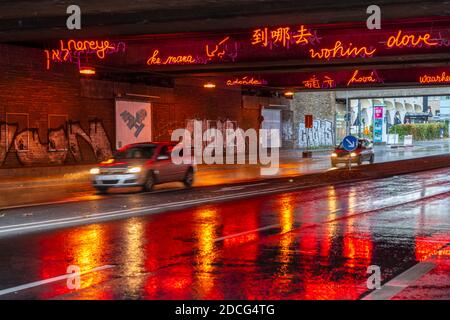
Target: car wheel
359, 161
102, 190
149, 182
334, 165
372, 159
189, 178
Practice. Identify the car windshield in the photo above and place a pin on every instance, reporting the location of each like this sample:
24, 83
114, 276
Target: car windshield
135, 153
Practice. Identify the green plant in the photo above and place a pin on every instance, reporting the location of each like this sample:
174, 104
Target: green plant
421, 131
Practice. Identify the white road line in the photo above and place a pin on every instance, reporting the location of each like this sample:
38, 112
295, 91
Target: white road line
50, 280
149, 209
273, 226
241, 187
400, 282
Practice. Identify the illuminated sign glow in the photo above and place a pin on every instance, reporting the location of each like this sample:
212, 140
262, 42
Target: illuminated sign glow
182, 59
339, 51
357, 78
409, 40
314, 83
282, 36
441, 78
246, 81
72, 50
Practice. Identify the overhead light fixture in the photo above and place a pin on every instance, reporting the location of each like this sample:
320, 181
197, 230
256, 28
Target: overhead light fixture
289, 94
209, 85
88, 71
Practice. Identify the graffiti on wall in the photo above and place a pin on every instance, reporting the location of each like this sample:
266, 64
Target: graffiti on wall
63, 143
320, 135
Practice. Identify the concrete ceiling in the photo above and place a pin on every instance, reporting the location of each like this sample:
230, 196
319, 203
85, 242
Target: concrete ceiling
35, 21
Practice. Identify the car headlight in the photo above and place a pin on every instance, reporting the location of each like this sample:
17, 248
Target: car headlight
353, 154
334, 154
94, 171
134, 170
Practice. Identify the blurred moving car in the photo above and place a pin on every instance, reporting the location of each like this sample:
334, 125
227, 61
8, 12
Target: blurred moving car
141, 164
364, 152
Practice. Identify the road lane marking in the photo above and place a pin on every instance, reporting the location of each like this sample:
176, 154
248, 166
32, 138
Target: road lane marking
149, 209
401, 282
50, 280
241, 187
273, 226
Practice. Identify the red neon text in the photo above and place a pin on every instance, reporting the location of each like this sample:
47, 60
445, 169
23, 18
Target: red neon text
357, 78
338, 51
182, 59
245, 81
442, 78
409, 40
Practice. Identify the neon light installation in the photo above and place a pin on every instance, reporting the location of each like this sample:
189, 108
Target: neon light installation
339, 51
155, 59
281, 36
245, 81
357, 78
314, 83
409, 40
72, 50
441, 78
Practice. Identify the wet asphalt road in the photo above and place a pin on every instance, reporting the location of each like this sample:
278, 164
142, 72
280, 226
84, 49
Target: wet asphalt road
78, 188
310, 244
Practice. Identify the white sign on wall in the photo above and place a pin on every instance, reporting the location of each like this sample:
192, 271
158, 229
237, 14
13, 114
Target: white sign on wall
133, 122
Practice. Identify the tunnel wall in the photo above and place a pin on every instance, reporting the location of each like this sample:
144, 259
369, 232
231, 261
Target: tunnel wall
55, 117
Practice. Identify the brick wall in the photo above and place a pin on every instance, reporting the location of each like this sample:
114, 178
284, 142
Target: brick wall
83, 110
322, 105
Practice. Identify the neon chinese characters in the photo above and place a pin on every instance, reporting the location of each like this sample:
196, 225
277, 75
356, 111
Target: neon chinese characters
282, 36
